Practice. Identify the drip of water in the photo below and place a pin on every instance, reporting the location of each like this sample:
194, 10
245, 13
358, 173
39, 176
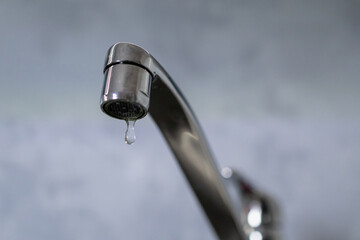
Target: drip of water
130, 132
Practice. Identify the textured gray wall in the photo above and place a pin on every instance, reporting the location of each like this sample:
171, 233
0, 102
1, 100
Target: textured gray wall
275, 85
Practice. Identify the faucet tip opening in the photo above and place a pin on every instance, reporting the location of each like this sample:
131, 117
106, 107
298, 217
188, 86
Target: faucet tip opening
124, 110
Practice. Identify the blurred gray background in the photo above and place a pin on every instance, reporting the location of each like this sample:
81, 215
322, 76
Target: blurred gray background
275, 85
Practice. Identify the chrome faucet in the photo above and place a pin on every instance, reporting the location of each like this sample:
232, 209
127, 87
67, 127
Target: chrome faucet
234, 208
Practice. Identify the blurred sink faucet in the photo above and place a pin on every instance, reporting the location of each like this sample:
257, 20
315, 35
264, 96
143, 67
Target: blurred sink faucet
135, 84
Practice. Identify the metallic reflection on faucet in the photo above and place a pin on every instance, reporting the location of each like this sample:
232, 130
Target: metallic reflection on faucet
254, 215
135, 84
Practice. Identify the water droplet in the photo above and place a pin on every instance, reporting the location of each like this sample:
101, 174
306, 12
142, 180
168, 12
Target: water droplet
130, 132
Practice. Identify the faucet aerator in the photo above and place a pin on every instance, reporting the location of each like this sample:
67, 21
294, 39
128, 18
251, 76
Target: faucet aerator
126, 90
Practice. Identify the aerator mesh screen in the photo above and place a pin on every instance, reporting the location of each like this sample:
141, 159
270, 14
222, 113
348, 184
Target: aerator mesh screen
124, 110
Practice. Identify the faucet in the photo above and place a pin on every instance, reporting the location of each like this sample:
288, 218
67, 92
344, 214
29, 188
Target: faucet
235, 209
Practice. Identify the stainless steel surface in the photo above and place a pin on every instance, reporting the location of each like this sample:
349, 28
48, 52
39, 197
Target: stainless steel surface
126, 63
259, 213
126, 91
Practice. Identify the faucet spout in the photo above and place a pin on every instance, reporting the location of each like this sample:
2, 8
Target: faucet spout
135, 84
180, 128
